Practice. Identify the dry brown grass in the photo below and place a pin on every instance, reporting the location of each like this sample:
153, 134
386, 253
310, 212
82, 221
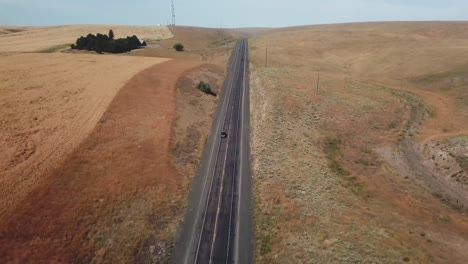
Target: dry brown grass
195, 111
395, 54
117, 198
324, 195
204, 44
84, 179
49, 104
37, 39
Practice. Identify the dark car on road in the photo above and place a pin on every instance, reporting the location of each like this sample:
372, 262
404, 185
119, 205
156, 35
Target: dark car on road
223, 134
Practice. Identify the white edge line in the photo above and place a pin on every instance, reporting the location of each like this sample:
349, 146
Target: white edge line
235, 167
220, 196
236, 248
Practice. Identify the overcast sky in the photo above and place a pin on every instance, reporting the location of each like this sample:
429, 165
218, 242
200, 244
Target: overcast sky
234, 13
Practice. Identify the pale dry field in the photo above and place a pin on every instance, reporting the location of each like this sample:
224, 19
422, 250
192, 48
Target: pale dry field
38, 39
49, 104
98, 151
340, 175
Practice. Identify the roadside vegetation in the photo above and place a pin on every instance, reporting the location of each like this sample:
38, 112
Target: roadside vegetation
341, 172
312, 172
106, 43
206, 88
178, 47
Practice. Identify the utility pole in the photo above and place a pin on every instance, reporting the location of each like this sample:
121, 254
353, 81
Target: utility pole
173, 14
318, 82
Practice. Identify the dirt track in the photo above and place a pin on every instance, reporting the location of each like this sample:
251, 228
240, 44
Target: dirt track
113, 197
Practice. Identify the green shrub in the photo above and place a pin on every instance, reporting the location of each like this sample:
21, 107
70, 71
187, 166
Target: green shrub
179, 47
206, 88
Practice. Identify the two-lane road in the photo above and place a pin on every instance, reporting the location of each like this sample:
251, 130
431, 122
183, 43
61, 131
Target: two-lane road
218, 225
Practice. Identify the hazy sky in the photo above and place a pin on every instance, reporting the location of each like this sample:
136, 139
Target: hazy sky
234, 13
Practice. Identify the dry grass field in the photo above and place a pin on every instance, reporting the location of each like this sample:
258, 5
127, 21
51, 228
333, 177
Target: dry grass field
367, 170
50, 39
49, 104
12, 29
98, 151
209, 45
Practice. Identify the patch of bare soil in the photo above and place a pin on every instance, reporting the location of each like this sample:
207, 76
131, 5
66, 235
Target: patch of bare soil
118, 197
434, 164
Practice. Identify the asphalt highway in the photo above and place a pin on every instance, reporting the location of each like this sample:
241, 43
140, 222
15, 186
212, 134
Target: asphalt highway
218, 226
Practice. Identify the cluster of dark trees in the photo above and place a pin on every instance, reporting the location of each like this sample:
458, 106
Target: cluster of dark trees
104, 43
178, 47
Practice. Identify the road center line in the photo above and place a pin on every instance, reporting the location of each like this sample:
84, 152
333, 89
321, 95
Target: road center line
229, 87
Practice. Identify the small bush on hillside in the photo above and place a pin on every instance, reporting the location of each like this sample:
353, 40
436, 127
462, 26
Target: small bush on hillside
206, 88
103, 43
179, 47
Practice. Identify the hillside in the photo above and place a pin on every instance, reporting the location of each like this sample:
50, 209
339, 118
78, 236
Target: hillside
371, 166
97, 151
212, 45
49, 39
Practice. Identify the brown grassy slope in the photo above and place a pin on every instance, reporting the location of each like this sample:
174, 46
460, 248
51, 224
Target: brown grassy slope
390, 53
205, 44
196, 38
38, 39
120, 195
324, 194
195, 111
252, 32
11, 29
49, 104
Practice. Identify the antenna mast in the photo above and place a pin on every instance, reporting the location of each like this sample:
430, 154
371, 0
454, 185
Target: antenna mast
173, 14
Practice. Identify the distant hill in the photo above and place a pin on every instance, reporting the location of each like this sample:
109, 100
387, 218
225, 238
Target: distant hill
37, 39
